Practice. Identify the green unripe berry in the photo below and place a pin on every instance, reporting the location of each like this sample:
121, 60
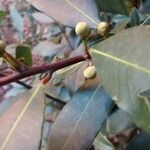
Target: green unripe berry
82, 30
2, 48
103, 28
90, 72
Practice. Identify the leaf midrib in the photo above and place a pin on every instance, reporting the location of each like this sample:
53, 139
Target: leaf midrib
76, 125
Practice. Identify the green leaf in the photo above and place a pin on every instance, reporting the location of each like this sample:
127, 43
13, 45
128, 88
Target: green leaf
23, 53
116, 6
146, 21
123, 63
73, 11
135, 18
42, 18
47, 49
81, 118
50, 114
77, 79
120, 27
30, 125
2, 14
145, 7
60, 92
140, 142
61, 74
117, 121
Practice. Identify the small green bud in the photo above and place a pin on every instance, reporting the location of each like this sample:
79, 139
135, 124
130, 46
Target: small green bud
82, 30
90, 72
2, 48
103, 28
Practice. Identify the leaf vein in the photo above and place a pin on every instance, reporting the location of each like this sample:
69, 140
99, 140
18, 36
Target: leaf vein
67, 141
79, 10
125, 62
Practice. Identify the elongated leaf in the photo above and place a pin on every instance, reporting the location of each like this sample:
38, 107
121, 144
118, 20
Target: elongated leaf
69, 12
116, 6
61, 74
77, 79
146, 21
2, 14
42, 18
47, 49
120, 27
23, 53
141, 142
118, 121
17, 20
135, 18
80, 120
123, 63
60, 92
27, 133
8, 102
50, 114
146, 6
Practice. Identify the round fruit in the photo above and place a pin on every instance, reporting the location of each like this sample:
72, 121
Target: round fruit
82, 30
90, 72
103, 28
2, 47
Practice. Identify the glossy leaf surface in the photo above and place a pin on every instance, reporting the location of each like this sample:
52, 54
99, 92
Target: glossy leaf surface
69, 12
81, 119
123, 63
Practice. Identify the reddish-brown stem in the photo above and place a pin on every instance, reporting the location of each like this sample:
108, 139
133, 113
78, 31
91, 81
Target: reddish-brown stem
41, 69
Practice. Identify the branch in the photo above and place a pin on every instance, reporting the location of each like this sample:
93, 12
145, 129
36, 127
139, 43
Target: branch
18, 82
41, 69
46, 94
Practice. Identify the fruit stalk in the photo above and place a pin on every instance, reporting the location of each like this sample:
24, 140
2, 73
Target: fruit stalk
15, 64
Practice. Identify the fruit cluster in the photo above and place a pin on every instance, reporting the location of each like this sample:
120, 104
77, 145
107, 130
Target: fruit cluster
83, 31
